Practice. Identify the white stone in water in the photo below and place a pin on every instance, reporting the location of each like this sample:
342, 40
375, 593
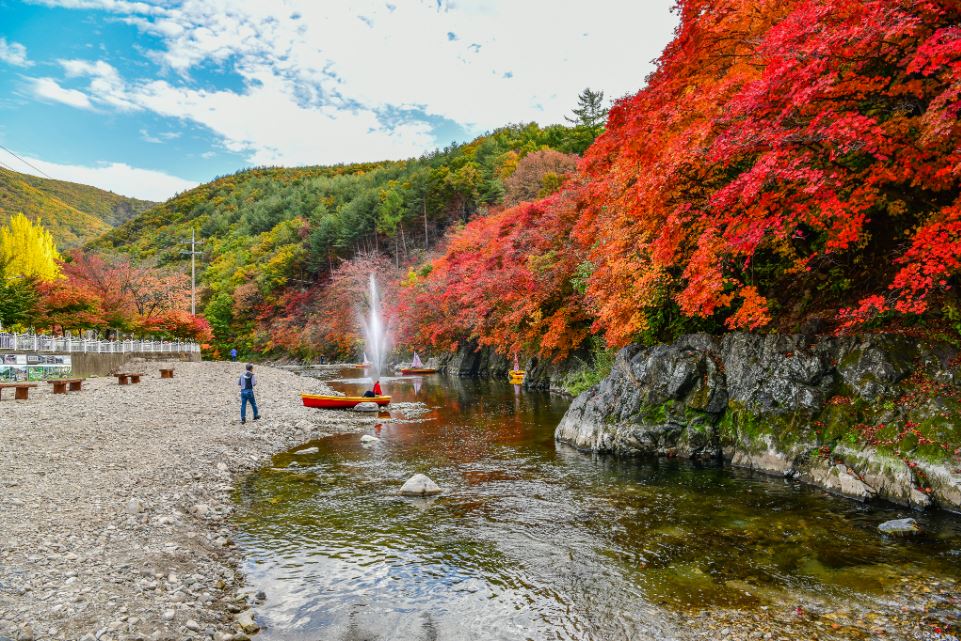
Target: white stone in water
900, 527
420, 485
367, 438
367, 406
308, 450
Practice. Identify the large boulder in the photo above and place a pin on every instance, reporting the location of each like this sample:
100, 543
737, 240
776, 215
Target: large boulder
793, 405
873, 366
660, 400
420, 485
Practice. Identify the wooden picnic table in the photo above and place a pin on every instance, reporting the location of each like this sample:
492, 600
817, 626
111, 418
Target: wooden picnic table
166, 372
124, 378
60, 385
22, 392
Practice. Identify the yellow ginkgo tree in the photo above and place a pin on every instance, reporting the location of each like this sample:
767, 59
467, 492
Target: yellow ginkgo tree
27, 250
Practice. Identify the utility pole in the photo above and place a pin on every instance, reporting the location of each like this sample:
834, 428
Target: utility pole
193, 269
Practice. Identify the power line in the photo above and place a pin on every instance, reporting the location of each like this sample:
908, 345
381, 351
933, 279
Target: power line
34, 167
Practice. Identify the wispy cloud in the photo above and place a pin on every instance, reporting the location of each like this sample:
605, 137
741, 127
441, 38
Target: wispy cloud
13, 53
118, 177
49, 89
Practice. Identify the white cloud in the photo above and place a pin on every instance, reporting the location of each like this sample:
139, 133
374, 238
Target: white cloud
13, 53
105, 84
271, 127
510, 61
337, 81
117, 177
50, 89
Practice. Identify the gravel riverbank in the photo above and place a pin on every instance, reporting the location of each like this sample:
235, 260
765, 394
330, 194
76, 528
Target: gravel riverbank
114, 501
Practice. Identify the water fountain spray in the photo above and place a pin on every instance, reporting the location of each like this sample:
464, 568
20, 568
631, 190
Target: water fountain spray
375, 332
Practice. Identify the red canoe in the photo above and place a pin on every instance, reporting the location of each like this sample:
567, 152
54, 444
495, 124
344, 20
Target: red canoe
341, 402
408, 371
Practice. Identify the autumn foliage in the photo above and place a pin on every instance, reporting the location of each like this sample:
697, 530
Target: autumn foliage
830, 150
324, 319
504, 282
791, 165
788, 160
118, 295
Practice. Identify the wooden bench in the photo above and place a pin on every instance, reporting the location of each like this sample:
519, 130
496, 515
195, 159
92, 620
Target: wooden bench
166, 372
22, 392
123, 379
60, 385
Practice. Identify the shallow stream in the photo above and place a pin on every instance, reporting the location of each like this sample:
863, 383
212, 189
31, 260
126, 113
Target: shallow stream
532, 540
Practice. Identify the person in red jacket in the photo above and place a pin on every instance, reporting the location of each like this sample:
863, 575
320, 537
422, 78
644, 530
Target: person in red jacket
371, 393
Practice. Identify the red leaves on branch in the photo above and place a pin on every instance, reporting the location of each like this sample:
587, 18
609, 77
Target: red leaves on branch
505, 282
783, 148
843, 113
117, 294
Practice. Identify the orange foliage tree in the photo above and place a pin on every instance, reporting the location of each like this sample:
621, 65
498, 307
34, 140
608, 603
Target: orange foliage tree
538, 174
794, 136
786, 158
117, 294
506, 281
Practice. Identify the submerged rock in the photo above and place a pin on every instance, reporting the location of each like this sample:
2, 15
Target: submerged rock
367, 406
420, 485
308, 450
900, 527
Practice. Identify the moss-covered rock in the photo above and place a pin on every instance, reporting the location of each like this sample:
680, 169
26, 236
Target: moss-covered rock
865, 416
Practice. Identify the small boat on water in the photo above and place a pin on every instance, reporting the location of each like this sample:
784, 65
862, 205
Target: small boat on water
341, 402
417, 367
411, 371
365, 365
516, 376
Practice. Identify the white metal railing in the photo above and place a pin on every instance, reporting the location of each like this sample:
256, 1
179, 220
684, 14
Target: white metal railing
43, 343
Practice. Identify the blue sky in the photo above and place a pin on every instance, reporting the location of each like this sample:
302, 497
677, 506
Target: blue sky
150, 98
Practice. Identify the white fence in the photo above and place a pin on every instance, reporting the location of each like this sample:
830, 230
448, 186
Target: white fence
68, 344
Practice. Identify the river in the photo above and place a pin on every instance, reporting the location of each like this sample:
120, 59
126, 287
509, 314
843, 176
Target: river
532, 540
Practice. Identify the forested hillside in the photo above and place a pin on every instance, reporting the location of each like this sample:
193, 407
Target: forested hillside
275, 237
75, 214
792, 165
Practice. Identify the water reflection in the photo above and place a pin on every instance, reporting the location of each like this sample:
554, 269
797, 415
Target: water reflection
535, 541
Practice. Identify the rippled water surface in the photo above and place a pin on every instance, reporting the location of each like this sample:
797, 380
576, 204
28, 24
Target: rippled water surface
532, 540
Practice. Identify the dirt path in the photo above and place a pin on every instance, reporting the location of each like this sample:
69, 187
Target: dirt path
113, 501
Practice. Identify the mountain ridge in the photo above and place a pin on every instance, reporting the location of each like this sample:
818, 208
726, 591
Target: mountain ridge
73, 212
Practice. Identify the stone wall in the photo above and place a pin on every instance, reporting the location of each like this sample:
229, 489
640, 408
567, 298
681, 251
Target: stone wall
806, 407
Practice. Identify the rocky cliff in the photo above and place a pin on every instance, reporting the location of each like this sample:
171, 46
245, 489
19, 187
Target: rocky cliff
872, 416
471, 361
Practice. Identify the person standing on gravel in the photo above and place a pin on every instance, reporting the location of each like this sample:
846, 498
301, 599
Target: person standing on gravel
247, 383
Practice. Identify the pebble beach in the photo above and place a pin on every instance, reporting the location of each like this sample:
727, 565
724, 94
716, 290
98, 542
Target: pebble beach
115, 502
